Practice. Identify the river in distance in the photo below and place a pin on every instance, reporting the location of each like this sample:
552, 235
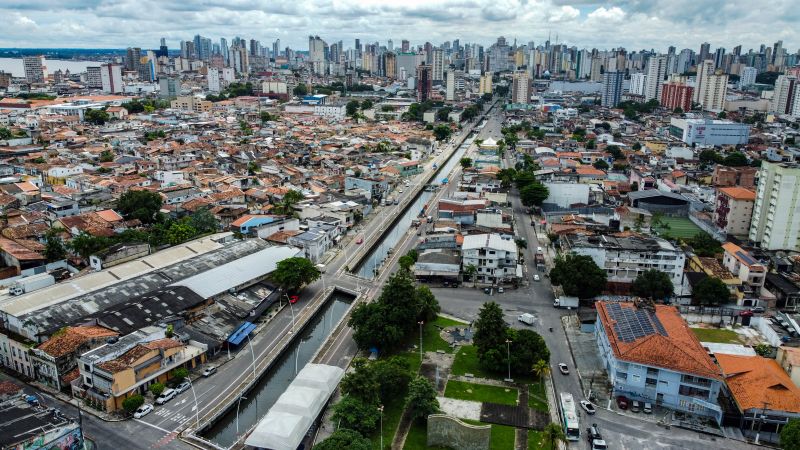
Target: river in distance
14, 66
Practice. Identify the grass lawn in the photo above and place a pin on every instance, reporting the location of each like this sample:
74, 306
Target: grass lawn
503, 436
679, 227
537, 399
719, 336
431, 340
481, 393
417, 438
466, 361
393, 410
535, 440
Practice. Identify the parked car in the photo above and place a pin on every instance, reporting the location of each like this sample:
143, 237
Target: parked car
593, 433
293, 299
563, 368
143, 410
622, 402
648, 408
166, 395
588, 407
359, 241
208, 371
500, 290
635, 407
184, 386
757, 309
487, 291
536, 277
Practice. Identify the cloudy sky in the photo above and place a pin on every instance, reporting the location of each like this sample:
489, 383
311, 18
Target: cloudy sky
633, 24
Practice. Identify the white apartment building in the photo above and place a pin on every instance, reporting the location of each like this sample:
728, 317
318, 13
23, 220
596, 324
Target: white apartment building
733, 210
784, 98
656, 71
111, 78
494, 256
710, 87
637, 83
213, 80
624, 258
740, 263
521, 87
776, 214
35, 69
485, 84
747, 77
450, 94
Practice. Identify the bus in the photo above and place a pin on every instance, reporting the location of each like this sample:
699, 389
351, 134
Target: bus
570, 417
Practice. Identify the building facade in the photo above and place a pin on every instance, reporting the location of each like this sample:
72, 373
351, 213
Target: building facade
35, 69
709, 132
733, 210
776, 213
494, 256
612, 89
676, 95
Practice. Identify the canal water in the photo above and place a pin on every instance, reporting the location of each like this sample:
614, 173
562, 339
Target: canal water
380, 252
275, 381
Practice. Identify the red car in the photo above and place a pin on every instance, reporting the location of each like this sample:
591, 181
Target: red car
622, 402
293, 299
359, 241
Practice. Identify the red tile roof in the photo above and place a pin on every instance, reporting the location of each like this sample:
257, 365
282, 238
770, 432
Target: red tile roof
754, 381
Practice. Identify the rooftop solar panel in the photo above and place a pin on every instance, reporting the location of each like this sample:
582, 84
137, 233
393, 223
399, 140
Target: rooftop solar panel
746, 258
631, 324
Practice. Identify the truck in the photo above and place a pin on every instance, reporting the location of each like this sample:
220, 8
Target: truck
31, 283
526, 318
566, 302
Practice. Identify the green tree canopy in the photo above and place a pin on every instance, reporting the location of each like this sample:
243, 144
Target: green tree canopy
735, 159
142, 205
421, 400
465, 162
601, 164
96, 116
106, 156
300, 90
361, 382
526, 346
790, 435
203, 221
442, 132
133, 402
357, 415
710, 291
293, 273
534, 194
179, 232
653, 284
578, 276
703, 244
615, 151
352, 108
709, 156
286, 204
54, 249
552, 435
5, 133
490, 337
524, 178
156, 389
344, 438
85, 245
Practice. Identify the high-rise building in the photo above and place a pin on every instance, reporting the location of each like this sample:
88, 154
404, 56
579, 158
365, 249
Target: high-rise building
656, 71
390, 65
94, 79
676, 95
162, 49
776, 214
133, 58
705, 52
747, 77
783, 97
223, 47
213, 80
5, 79
35, 69
719, 58
405, 46
485, 86
169, 86
521, 87
276, 49
316, 54
111, 78
424, 82
437, 63
612, 88
710, 87
638, 81
450, 93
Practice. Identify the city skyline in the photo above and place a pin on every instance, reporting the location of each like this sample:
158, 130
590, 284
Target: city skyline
584, 24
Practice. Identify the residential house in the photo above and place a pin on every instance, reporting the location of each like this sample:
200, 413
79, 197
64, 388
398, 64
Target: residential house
493, 255
751, 273
789, 360
733, 210
651, 355
55, 360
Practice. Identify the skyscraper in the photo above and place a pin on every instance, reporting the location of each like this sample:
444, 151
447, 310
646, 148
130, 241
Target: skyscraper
450, 93
783, 98
521, 87
656, 70
316, 54
437, 63
111, 78
612, 88
405, 46
638, 81
485, 84
711, 87
133, 58
705, 52
424, 82
774, 225
35, 70
747, 77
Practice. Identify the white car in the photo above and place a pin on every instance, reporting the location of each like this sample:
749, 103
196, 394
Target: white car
166, 396
183, 386
536, 277
208, 371
500, 290
563, 368
588, 407
143, 411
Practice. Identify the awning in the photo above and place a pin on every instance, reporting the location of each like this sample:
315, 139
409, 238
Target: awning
238, 336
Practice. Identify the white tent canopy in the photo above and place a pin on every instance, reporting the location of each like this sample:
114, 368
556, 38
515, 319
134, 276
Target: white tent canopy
286, 423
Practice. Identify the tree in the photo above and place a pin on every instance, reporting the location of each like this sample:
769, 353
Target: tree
526, 346
735, 159
106, 156
636, 146
96, 116
203, 221
653, 284
615, 152
356, 415
179, 232
85, 245
405, 262
552, 435
352, 108
522, 243
790, 435
421, 400
710, 291
490, 337
366, 104
344, 438
471, 271
427, 305
292, 273
764, 350
443, 113
465, 162
54, 249
578, 276
180, 374
590, 144
157, 388
300, 90
132, 403
524, 178
393, 375
442, 132
534, 194
361, 382
541, 369
142, 205
286, 205
5, 133
677, 110
506, 176
265, 117
705, 245
722, 115
601, 164
709, 156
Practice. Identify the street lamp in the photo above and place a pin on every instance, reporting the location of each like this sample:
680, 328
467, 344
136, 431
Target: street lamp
380, 408
420, 339
508, 356
291, 307
253, 354
196, 407
238, 402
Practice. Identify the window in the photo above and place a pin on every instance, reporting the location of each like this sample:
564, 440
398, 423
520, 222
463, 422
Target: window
653, 372
622, 375
650, 382
690, 391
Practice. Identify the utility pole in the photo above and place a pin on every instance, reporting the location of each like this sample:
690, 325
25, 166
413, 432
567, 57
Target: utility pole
761, 421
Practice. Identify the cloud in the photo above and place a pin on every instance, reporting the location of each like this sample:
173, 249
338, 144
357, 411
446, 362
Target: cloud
637, 24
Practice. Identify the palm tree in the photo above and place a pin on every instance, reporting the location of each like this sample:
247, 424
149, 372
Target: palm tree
541, 369
552, 435
471, 271
286, 206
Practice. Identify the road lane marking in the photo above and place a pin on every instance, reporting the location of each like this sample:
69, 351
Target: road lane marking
151, 425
